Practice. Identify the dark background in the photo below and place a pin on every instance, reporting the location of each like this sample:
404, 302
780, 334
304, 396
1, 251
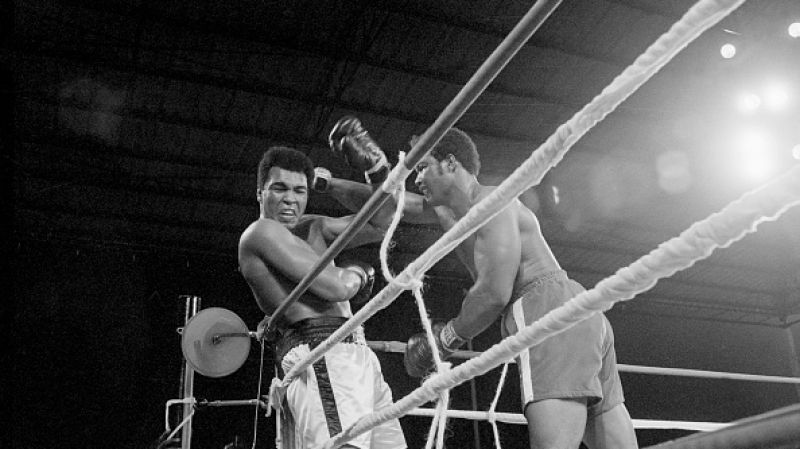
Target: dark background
131, 130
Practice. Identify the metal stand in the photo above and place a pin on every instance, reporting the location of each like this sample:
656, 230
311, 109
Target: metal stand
187, 379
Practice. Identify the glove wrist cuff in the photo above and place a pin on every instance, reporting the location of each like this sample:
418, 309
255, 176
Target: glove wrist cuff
322, 180
379, 172
450, 339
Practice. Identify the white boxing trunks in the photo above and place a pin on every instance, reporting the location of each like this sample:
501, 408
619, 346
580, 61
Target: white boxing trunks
334, 392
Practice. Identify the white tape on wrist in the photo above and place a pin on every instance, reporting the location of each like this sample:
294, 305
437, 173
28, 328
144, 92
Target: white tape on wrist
450, 339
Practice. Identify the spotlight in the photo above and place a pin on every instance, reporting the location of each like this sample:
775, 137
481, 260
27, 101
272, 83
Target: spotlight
776, 96
728, 51
796, 151
748, 102
752, 154
794, 30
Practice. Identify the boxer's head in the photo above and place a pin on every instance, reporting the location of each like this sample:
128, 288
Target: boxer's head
436, 171
283, 178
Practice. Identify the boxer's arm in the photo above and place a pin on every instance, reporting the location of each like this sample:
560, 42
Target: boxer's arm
332, 227
282, 251
350, 139
497, 255
353, 195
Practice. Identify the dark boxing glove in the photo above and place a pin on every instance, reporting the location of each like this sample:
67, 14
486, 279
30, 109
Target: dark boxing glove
367, 275
349, 138
322, 180
418, 358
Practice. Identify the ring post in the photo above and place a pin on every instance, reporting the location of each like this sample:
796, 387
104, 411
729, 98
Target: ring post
187, 379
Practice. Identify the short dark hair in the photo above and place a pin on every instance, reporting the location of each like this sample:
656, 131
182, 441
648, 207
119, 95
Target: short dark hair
460, 145
287, 159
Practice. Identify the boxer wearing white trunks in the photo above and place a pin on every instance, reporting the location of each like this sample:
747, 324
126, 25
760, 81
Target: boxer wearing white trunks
275, 253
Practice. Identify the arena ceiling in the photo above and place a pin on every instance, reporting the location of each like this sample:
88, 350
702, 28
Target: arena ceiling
139, 124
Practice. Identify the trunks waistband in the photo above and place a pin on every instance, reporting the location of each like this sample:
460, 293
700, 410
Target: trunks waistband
548, 276
313, 331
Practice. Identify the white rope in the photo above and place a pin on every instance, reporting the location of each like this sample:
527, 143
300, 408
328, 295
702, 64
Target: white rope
396, 179
719, 230
491, 414
398, 346
437, 414
518, 418
444, 404
707, 374
439, 422
700, 17
399, 194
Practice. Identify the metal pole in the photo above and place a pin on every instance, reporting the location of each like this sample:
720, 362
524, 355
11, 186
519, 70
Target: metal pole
487, 72
794, 357
473, 393
192, 307
776, 429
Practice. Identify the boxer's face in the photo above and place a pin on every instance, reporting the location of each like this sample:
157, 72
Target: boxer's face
284, 196
432, 180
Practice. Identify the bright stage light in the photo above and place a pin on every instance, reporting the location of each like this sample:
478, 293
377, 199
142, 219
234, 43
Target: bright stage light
776, 96
796, 151
727, 51
752, 154
794, 30
748, 102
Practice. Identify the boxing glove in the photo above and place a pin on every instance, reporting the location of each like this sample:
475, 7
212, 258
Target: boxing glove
350, 139
418, 358
367, 275
322, 180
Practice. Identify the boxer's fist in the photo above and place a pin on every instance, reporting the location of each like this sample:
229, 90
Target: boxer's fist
367, 275
322, 180
350, 139
418, 358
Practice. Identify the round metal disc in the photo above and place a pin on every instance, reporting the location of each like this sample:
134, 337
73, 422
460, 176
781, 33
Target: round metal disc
209, 353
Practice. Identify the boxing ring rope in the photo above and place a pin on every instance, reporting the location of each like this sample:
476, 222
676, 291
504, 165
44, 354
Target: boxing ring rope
518, 418
719, 230
503, 417
700, 17
397, 346
772, 429
528, 25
